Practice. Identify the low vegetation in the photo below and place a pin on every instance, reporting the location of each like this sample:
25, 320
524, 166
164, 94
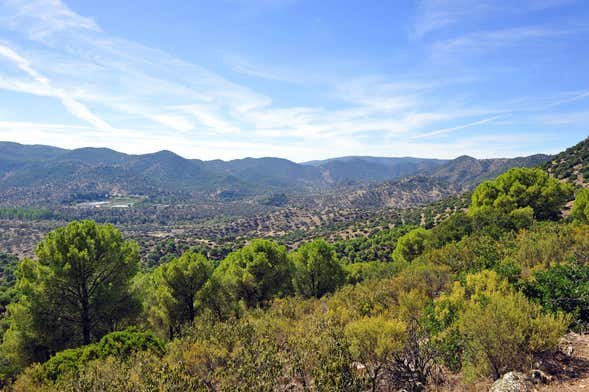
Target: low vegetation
482, 292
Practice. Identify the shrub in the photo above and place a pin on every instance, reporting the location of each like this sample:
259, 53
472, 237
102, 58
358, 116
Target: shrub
562, 288
411, 245
119, 344
374, 342
502, 332
493, 328
520, 188
580, 212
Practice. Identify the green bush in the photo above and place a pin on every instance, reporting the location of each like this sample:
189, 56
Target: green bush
493, 328
562, 288
502, 333
580, 212
520, 188
411, 245
119, 344
359, 272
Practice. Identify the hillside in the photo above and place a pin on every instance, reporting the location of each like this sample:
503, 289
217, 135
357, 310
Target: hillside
571, 165
466, 172
456, 176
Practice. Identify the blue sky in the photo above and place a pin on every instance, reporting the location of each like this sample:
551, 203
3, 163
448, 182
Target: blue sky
300, 79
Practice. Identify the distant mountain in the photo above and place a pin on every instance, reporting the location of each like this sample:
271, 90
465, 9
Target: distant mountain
378, 169
455, 176
10, 151
466, 172
91, 155
572, 164
50, 176
275, 172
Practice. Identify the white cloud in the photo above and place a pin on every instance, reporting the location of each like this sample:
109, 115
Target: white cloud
42, 18
142, 99
44, 85
157, 89
434, 15
455, 128
483, 41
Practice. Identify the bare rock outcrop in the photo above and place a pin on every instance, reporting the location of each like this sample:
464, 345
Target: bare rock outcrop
512, 382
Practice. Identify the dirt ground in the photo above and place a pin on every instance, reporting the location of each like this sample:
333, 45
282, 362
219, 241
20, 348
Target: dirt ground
568, 373
574, 373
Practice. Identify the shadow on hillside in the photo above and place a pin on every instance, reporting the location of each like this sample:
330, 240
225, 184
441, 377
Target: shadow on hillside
564, 368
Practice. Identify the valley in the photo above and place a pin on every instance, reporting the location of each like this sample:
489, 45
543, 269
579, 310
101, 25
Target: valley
428, 226
157, 197
294, 196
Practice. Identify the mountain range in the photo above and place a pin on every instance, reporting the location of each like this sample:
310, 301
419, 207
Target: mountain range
453, 177
53, 175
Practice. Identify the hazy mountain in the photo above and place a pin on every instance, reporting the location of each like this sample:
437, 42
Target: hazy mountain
43, 174
363, 169
27, 165
92, 155
455, 176
465, 171
272, 171
14, 152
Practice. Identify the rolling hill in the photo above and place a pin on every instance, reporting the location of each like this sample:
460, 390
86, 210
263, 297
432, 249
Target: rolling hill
44, 175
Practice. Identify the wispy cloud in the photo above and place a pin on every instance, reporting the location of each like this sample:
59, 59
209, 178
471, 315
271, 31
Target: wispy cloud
483, 41
85, 67
40, 19
434, 15
456, 128
143, 99
43, 84
241, 65
574, 118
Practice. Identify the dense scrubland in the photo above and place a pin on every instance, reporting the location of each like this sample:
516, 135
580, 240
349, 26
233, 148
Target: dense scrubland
477, 294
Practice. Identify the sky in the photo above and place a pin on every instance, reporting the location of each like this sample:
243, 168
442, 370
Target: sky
298, 79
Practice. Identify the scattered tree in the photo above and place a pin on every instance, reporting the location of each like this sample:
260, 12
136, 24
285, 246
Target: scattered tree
411, 245
317, 271
522, 187
179, 283
76, 290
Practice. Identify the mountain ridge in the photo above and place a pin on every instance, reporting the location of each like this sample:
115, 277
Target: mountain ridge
52, 174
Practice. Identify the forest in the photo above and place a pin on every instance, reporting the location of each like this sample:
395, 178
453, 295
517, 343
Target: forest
439, 306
